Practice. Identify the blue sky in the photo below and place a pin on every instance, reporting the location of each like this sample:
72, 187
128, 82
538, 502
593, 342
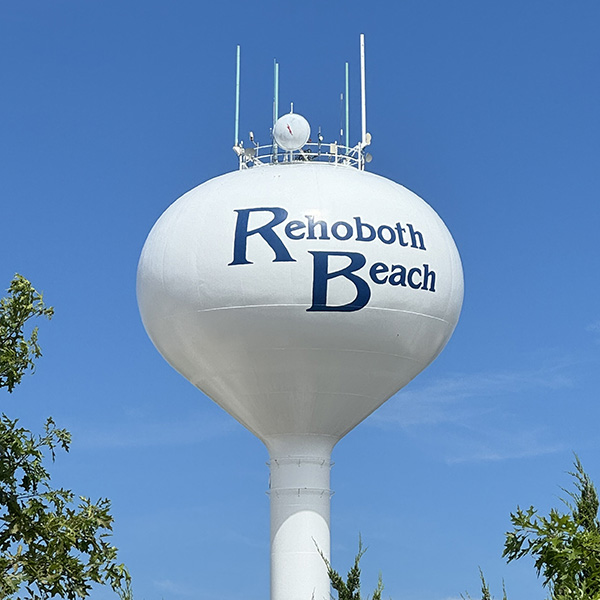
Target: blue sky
110, 110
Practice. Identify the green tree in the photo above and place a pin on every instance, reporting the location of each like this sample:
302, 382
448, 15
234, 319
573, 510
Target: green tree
485, 590
17, 352
565, 546
49, 545
350, 589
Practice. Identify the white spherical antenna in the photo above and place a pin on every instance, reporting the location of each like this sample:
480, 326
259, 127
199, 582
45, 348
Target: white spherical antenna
291, 131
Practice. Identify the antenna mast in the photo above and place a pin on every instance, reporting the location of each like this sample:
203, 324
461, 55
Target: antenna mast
363, 93
237, 97
275, 90
347, 112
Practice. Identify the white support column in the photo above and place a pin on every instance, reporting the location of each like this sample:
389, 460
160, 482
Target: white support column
300, 507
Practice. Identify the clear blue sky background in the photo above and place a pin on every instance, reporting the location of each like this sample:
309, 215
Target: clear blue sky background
111, 109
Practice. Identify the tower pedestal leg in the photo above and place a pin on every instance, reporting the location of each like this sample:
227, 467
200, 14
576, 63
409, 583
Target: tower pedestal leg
300, 506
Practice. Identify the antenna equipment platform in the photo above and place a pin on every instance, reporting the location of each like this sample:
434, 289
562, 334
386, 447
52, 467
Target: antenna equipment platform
292, 143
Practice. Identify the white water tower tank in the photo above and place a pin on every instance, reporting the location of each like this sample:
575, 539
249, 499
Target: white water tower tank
300, 293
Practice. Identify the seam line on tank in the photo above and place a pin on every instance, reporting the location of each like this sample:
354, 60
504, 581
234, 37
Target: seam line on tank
348, 350
342, 394
410, 312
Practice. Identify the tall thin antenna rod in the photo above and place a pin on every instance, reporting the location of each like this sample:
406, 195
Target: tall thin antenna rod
341, 138
237, 97
347, 111
276, 91
363, 94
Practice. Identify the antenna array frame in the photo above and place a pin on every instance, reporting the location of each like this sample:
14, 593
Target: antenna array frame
334, 152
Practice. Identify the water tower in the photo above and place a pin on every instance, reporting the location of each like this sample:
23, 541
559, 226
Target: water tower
300, 292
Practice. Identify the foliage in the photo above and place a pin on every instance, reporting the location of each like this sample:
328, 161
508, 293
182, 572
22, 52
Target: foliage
350, 589
485, 590
17, 352
48, 546
566, 547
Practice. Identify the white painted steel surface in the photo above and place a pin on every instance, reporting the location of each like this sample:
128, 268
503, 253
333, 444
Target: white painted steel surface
300, 505
299, 337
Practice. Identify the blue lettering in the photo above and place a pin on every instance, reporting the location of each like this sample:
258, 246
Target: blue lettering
414, 236
400, 231
428, 278
398, 276
294, 226
359, 231
411, 283
321, 277
335, 233
311, 229
265, 231
391, 234
376, 270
